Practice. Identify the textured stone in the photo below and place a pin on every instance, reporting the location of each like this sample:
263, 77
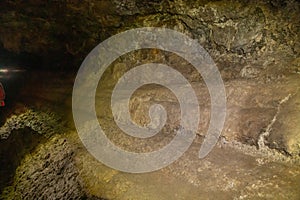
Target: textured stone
43, 123
48, 173
228, 30
255, 45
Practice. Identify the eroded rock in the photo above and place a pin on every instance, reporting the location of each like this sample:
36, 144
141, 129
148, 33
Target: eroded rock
48, 173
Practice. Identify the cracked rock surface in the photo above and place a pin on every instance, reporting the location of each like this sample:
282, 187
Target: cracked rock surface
255, 45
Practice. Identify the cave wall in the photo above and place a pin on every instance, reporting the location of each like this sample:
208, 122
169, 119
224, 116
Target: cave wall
255, 44
236, 33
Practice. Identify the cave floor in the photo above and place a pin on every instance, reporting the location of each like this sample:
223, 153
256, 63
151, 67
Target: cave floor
226, 173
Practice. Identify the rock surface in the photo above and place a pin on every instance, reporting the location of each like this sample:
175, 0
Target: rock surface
48, 173
256, 47
236, 33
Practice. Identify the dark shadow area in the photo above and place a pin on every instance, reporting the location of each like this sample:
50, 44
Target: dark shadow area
12, 151
43, 61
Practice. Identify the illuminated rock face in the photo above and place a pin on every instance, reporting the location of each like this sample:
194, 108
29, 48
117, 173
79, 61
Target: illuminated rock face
256, 47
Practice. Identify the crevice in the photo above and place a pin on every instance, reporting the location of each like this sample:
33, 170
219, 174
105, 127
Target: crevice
262, 137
